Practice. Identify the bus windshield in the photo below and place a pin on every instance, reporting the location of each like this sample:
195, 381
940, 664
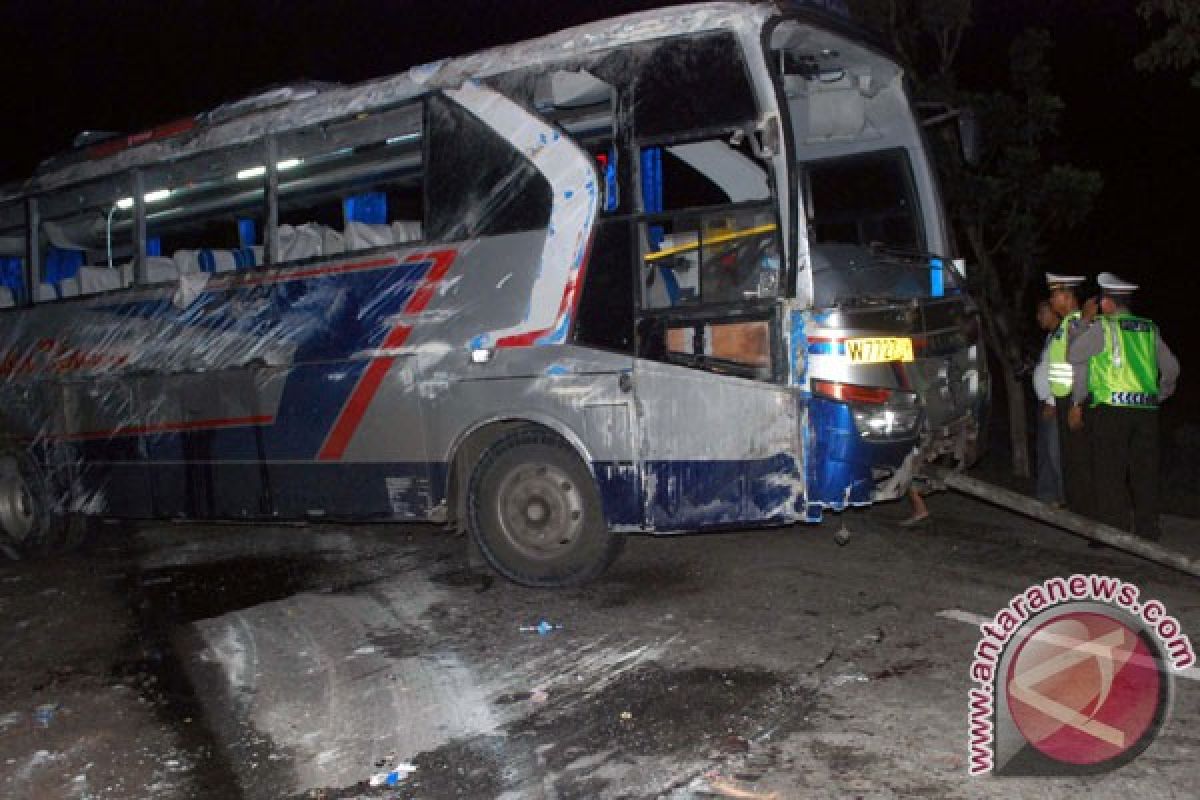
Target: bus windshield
869, 207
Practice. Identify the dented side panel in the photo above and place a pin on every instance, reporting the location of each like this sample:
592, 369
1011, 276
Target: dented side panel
716, 450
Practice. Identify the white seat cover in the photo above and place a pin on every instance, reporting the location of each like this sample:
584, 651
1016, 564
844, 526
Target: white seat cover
362, 235
187, 261
406, 230
69, 287
160, 269
300, 242
99, 279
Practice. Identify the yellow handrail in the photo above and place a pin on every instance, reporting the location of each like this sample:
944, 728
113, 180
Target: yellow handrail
720, 238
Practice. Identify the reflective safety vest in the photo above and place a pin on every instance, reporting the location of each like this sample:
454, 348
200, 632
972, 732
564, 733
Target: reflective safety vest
1058, 369
1125, 375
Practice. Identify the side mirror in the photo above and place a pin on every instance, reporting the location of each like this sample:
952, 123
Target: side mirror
938, 115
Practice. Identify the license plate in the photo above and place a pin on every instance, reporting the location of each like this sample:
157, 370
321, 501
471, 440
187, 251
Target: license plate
879, 350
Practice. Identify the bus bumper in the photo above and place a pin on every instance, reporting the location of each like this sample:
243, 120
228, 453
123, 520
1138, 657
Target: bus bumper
845, 467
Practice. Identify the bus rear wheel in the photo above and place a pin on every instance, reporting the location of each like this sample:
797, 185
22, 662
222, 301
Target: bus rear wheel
29, 524
535, 513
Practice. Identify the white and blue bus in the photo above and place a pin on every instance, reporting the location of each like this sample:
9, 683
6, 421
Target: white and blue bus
680, 270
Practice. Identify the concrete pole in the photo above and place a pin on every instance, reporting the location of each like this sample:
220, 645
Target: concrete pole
1082, 526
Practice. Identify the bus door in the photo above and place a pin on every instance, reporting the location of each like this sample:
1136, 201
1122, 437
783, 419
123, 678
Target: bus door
204, 439
719, 438
719, 442
715, 449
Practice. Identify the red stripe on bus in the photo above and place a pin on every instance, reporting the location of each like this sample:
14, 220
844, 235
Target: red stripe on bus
351, 415
173, 427
313, 272
164, 131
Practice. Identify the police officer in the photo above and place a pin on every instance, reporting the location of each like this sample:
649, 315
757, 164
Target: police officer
1076, 455
1123, 370
1049, 453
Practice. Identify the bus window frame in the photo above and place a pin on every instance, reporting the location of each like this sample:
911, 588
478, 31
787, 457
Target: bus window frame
767, 309
699, 313
21, 208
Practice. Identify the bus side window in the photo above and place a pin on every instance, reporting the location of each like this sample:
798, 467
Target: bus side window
692, 83
12, 255
352, 185
725, 252
479, 185
211, 217
87, 239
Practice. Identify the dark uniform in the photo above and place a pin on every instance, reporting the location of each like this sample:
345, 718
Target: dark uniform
1074, 446
1123, 370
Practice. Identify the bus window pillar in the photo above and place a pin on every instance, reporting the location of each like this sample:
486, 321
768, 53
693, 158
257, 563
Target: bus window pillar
33, 251
271, 235
139, 229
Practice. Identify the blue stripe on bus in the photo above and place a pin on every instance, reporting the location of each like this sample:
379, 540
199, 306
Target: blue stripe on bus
827, 348
839, 460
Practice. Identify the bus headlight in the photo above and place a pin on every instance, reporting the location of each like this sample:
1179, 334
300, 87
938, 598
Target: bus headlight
879, 413
886, 422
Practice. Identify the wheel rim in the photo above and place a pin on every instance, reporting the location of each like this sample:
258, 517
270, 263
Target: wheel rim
541, 510
17, 511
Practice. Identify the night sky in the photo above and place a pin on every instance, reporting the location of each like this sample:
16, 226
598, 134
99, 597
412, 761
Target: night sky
128, 65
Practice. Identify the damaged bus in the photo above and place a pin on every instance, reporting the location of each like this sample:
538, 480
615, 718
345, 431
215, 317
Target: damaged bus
681, 270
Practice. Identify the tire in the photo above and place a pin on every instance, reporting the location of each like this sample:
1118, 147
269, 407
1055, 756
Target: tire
534, 511
30, 524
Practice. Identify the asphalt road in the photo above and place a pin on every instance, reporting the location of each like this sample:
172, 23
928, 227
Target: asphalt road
187, 661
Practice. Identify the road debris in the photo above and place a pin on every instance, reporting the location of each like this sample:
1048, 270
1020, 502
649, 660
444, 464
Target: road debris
44, 714
726, 788
392, 776
542, 628
849, 677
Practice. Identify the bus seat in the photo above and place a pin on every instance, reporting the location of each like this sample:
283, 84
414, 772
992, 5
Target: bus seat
127, 274
216, 260
186, 261
46, 293
332, 241
98, 279
244, 258
69, 287
362, 235
6, 297
160, 269
406, 230
297, 242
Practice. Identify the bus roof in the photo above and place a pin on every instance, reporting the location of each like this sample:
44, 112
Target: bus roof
289, 107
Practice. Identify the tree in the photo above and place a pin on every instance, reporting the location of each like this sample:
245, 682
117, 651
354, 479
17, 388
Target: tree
1006, 206
1179, 46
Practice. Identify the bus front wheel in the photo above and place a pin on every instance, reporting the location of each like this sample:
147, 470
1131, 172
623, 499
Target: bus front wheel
535, 513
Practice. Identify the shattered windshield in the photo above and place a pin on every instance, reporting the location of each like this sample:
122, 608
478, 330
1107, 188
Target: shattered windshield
850, 273
865, 231
864, 198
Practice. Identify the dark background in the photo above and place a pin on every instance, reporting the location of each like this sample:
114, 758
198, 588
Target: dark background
125, 66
